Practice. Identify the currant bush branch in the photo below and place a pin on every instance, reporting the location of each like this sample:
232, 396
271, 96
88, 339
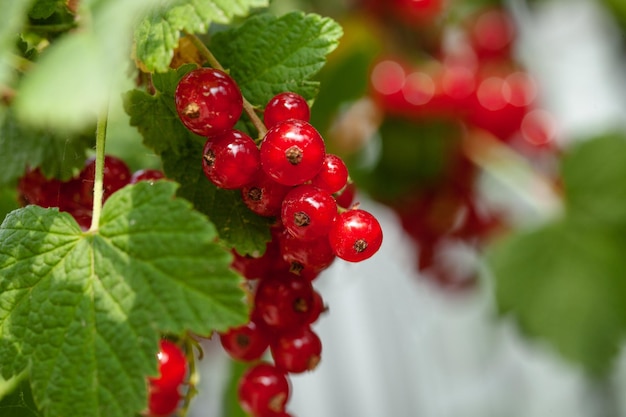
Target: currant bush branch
247, 106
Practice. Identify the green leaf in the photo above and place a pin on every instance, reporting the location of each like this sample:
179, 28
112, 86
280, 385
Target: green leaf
268, 55
75, 77
12, 18
82, 312
565, 284
594, 177
157, 35
156, 118
21, 147
43, 9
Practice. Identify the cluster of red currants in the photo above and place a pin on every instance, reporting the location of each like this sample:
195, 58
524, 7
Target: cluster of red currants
468, 77
289, 177
164, 394
472, 79
75, 196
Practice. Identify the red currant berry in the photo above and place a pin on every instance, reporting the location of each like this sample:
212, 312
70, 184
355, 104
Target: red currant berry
285, 106
333, 176
263, 195
230, 160
208, 101
163, 403
308, 212
355, 235
149, 175
263, 389
283, 301
345, 197
245, 343
310, 256
297, 351
172, 367
318, 307
115, 176
292, 152
252, 267
35, 188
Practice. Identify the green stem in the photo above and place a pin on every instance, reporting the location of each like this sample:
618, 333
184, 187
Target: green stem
98, 188
213, 62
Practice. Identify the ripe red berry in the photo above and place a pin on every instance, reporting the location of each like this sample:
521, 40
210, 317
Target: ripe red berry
305, 256
35, 188
297, 351
245, 343
172, 367
263, 389
285, 106
115, 176
208, 101
345, 197
283, 301
308, 212
355, 235
292, 152
263, 195
333, 176
149, 175
162, 403
230, 160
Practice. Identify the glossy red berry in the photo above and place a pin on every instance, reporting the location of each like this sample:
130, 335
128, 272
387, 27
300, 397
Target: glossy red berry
115, 176
308, 212
333, 176
297, 351
283, 301
208, 101
285, 106
172, 367
263, 389
245, 343
35, 188
345, 197
230, 160
162, 403
263, 195
305, 256
318, 307
149, 175
292, 152
355, 235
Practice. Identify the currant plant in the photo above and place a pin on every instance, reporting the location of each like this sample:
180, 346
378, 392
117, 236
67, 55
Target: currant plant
110, 272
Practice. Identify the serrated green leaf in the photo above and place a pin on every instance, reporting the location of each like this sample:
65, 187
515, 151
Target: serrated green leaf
21, 147
157, 35
594, 174
82, 312
565, 284
156, 118
268, 55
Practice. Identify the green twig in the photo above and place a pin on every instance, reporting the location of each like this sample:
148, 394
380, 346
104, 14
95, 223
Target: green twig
98, 188
213, 62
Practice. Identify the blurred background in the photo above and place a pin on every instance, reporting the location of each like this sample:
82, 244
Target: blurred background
488, 138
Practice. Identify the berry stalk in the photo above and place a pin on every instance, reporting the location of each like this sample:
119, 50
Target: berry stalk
247, 106
98, 186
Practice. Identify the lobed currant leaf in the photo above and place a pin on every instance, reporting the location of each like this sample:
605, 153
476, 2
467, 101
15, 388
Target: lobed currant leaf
22, 147
82, 312
157, 35
277, 54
